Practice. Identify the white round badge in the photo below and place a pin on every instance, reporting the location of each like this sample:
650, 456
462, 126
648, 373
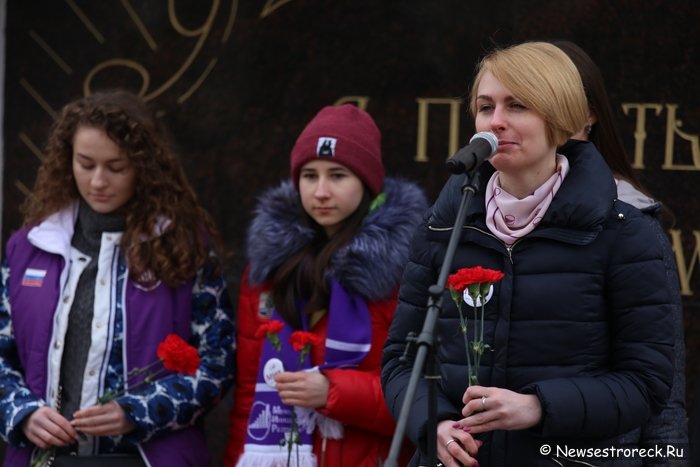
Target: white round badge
468, 298
271, 368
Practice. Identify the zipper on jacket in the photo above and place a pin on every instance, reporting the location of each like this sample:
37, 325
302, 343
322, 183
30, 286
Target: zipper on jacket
509, 249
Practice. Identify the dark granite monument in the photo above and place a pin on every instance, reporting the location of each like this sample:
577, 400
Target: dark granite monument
235, 81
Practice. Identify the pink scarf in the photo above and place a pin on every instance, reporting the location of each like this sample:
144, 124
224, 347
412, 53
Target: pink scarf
510, 218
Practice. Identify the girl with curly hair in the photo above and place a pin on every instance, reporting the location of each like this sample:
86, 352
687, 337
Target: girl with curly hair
115, 254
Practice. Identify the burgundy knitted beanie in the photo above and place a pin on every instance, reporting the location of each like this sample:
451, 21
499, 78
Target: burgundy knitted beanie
344, 134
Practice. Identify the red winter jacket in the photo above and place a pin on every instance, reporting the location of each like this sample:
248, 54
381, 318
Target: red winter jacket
355, 396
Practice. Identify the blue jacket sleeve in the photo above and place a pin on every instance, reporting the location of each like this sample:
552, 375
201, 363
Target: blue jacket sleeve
16, 400
177, 401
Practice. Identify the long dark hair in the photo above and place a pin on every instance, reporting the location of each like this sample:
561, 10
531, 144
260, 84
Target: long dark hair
304, 274
604, 133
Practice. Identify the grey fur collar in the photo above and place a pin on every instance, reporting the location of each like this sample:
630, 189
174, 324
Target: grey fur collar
369, 266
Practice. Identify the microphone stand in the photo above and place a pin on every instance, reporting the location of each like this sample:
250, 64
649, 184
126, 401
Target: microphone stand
426, 355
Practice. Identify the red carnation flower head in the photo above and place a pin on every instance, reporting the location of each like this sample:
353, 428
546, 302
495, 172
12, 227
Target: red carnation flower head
270, 331
301, 339
177, 355
465, 277
173, 352
271, 327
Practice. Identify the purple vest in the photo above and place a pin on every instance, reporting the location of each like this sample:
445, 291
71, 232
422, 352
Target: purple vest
149, 317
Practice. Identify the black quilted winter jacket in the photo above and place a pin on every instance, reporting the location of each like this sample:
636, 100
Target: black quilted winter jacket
581, 319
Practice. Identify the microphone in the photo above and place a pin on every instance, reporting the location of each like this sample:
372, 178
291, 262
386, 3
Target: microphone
481, 146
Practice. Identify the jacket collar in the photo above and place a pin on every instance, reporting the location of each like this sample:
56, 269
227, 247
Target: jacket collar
577, 212
54, 233
369, 266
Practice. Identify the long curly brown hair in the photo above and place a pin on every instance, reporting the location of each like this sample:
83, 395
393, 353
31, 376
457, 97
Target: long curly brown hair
162, 193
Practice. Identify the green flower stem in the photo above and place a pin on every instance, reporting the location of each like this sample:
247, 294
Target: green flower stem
463, 327
480, 351
478, 293
474, 377
294, 439
150, 378
111, 395
294, 436
461, 284
43, 458
137, 371
274, 341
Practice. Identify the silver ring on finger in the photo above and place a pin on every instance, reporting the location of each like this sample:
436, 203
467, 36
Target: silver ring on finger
483, 403
450, 441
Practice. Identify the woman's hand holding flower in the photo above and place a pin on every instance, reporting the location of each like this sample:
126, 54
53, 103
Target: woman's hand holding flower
455, 446
302, 388
47, 428
487, 409
102, 420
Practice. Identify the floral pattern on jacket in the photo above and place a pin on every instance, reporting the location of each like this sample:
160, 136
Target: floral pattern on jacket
170, 403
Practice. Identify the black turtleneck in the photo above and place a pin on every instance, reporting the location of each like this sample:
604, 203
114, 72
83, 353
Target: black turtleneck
87, 238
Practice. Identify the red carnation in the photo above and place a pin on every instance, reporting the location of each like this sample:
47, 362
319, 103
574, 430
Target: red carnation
271, 327
465, 277
177, 355
301, 339
270, 330
478, 281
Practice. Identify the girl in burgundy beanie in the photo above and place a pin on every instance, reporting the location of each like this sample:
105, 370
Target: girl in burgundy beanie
346, 135
326, 251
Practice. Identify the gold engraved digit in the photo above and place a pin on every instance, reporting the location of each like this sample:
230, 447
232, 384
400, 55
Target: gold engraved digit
145, 77
272, 5
202, 32
229, 23
198, 82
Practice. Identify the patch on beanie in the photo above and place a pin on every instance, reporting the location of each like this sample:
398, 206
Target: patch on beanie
325, 147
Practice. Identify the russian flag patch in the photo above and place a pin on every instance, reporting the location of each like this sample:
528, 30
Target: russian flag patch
33, 277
